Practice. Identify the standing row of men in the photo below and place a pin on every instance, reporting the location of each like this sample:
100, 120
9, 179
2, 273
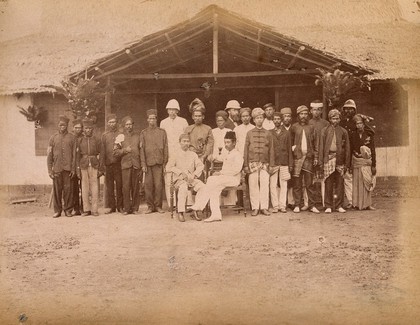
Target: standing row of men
275, 154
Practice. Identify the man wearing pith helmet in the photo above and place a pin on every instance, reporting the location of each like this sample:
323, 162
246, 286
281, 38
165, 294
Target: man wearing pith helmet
174, 126
232, 108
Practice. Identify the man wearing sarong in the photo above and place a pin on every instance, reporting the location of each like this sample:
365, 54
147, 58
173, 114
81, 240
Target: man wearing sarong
364, 164
304, 141
201, 137
283, 163
185, 168
334, 156
230, 175
258, 158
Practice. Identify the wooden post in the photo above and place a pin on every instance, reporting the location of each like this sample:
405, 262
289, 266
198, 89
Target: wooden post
215, 45
107, 112
277, 98
325, 102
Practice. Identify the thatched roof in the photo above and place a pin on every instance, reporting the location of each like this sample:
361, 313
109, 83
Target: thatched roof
387, 46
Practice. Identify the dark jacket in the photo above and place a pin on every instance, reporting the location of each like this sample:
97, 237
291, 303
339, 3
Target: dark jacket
129, 159
259, 147
153, 147
229, 124
107, 148
61, 153
342, 144
88, 151
282, 147
296, 131
367, 139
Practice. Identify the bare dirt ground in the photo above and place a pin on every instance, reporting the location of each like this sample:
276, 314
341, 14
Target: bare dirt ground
353, 268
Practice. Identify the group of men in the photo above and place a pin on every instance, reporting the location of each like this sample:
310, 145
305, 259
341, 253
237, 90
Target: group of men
281, 160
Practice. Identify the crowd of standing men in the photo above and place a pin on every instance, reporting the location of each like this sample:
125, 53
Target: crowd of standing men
287, 164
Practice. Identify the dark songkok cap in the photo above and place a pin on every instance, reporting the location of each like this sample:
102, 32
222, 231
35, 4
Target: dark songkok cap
222, 114
77, 122
151, 112
268, 105
63, 118
277, 114
87, 122
230, 135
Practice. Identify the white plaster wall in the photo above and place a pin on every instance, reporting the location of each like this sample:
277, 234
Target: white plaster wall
18, 164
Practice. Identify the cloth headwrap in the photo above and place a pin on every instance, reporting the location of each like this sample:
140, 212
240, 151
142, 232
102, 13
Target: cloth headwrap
222, 114
230, 135
317, 104
151, 112
184, 136
350, 103
302, 108
257, 111
87, 122
63, 118
232, 104
286, 110
333, 113
125, 119
111, 117
245, 109
197, 105
77, 122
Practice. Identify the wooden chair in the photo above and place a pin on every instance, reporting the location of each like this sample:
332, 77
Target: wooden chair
212, 167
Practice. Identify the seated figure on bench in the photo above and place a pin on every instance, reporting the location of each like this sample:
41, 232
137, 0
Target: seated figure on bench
186, 168
229, 175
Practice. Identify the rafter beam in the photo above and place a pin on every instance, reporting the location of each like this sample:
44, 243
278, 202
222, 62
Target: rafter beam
293, 61
174, 48
276, 48
142, 58
212, 75
252, 60
215, 44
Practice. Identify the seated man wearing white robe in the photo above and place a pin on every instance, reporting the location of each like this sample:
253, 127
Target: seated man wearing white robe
186, 168
230, 175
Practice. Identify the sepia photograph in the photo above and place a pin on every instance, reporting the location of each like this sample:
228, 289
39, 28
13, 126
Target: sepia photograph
210, 162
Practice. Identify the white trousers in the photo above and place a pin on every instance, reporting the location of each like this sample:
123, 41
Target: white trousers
183, 193
348, 186
278, 195
90, 185
211, 192
259, 189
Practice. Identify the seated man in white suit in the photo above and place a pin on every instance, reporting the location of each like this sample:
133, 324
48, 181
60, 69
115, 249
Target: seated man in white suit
230, 175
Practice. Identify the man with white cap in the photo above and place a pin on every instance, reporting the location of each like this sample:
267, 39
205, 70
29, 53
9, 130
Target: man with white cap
258, 159
304, 141
174, 126
232, 108
319, 123
242, 129
334, 157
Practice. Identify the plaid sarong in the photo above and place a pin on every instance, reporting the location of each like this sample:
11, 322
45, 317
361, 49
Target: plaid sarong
329, 166
257, 165
284, 173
